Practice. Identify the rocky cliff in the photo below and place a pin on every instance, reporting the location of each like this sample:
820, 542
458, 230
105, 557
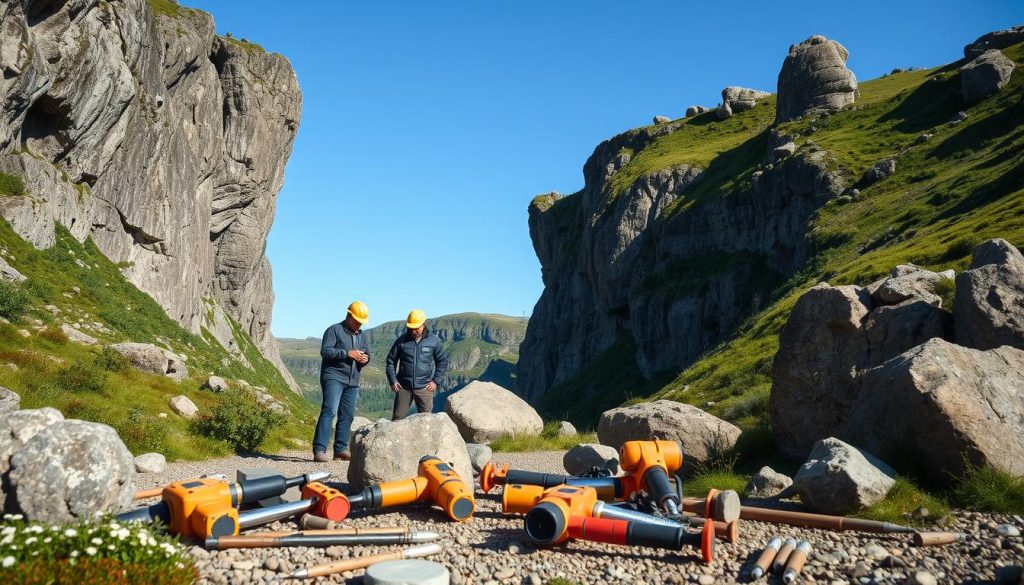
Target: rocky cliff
132, 123
670, 273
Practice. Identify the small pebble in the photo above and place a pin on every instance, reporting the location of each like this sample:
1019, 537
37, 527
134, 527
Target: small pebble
1008, 530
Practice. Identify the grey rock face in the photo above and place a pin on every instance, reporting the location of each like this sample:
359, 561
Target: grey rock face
150, 358
162, 142
814, 79
840, 479
662, 119
70, 470
741, 99
781, 152
586, 456
999, 39
359, 423
484, 411
989, 306
215, 383
392, 450
985, 75
78, 336
724, 111
184, 407
16, 429
479, 455
10, 401
878, 171
908, 282
150, 463
695, 111
767, 483
703, 436
955, 403
9, 274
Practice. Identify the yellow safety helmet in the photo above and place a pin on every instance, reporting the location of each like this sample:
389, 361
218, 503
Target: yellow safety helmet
359, 311
415, 319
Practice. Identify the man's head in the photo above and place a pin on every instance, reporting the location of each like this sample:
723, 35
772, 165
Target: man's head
358, 314
416, 323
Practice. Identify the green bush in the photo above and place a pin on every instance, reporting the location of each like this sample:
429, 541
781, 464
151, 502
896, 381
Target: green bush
143, 434
11, 185
96, 552
111, 361
989, 490
54, 334
13, 301
961, 247
240, 420
80, 378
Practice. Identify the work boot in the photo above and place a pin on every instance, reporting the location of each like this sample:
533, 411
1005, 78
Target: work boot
320, 457
345, 455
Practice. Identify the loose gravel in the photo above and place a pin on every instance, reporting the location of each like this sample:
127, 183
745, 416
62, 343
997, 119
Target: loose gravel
492, 548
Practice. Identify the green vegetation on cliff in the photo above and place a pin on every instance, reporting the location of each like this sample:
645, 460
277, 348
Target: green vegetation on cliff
959, 185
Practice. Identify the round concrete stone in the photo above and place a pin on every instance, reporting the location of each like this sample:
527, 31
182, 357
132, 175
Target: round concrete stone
407, 572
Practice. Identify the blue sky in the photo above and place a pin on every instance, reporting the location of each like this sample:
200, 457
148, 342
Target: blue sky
427, 127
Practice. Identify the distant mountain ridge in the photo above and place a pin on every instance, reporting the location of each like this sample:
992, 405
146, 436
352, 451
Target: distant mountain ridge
480, 347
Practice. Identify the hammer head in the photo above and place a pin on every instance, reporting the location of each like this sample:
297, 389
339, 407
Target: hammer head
330, 503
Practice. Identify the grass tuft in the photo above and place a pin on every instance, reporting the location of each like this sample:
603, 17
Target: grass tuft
547, 440
901, 501
11, 185
989, 490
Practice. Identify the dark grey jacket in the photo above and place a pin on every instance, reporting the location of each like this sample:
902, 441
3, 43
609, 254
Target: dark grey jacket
417, 362
336, 365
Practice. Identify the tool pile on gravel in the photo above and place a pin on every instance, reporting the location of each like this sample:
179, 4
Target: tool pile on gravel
492, 548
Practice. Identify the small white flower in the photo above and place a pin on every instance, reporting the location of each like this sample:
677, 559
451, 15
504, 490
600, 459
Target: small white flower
90, 551
74, 554
8, 530
30, 540
35, 528
7, 562
13, 517
70, 532
47, 540
110, 547
97, 541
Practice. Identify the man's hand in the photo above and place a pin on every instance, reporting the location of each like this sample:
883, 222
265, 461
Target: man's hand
396, 387
363, 357
356, 355
431, 386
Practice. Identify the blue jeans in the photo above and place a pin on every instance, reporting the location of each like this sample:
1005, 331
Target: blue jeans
339, 401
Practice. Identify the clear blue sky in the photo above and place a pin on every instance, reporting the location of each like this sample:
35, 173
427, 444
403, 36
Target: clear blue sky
427, 127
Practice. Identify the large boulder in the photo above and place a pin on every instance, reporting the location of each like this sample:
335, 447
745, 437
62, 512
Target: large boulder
484, 411
814, 79
215, 383
391, 450
703, 436
479, 455
71, 470
878, 171
891, 330
767, 483
359, 423
840, 479
586, 456
999, 39
10, 401
150, 358
812, 379
566, 429
741, 98
77, 335
985, 75
942, 405
150, 463
16, 429
908, 282
989, 306
183, 406
695, 111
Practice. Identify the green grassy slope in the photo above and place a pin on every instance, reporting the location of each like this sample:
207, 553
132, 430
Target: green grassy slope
38, 362
496, 361
962, 185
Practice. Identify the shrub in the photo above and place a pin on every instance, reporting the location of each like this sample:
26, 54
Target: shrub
80, 378
11, 185
13, 301
143, 434
989, 490
960, 248
55, 335
240, 420
112, 361
95, 552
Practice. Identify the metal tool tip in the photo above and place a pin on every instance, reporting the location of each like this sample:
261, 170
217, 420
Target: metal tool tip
424, 536
756, 573
211, 542
300, 574
789, 576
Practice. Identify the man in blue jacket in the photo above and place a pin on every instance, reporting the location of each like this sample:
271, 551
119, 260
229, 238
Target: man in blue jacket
344, 352
416, 365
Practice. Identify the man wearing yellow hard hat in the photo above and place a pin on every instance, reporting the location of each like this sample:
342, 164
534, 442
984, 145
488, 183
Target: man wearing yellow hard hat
344, 351
416, 365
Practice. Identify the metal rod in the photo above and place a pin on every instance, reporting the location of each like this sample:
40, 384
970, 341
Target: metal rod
259, 541
604, 510
825, 522
260, 516
424, 550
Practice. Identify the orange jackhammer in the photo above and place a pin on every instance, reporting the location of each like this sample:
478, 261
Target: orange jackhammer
207, 507
647, 465
566, 512
436, 482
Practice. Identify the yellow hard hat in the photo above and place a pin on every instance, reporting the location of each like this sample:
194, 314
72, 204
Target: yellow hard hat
415, 319
359, 311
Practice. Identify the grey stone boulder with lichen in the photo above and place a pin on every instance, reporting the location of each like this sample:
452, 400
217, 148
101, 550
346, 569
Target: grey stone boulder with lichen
814, 79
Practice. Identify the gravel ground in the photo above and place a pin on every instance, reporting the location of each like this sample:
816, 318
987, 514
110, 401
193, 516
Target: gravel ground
492, 549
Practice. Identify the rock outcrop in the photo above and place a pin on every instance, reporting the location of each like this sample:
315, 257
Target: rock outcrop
10, 401
847, 362
16, 429
814, 79
741, 99
69, 471
584, 457
985, 75
767, 483
703, 436
484, 411
999, 39
159, 140
155, 360
840, 479
389, 450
